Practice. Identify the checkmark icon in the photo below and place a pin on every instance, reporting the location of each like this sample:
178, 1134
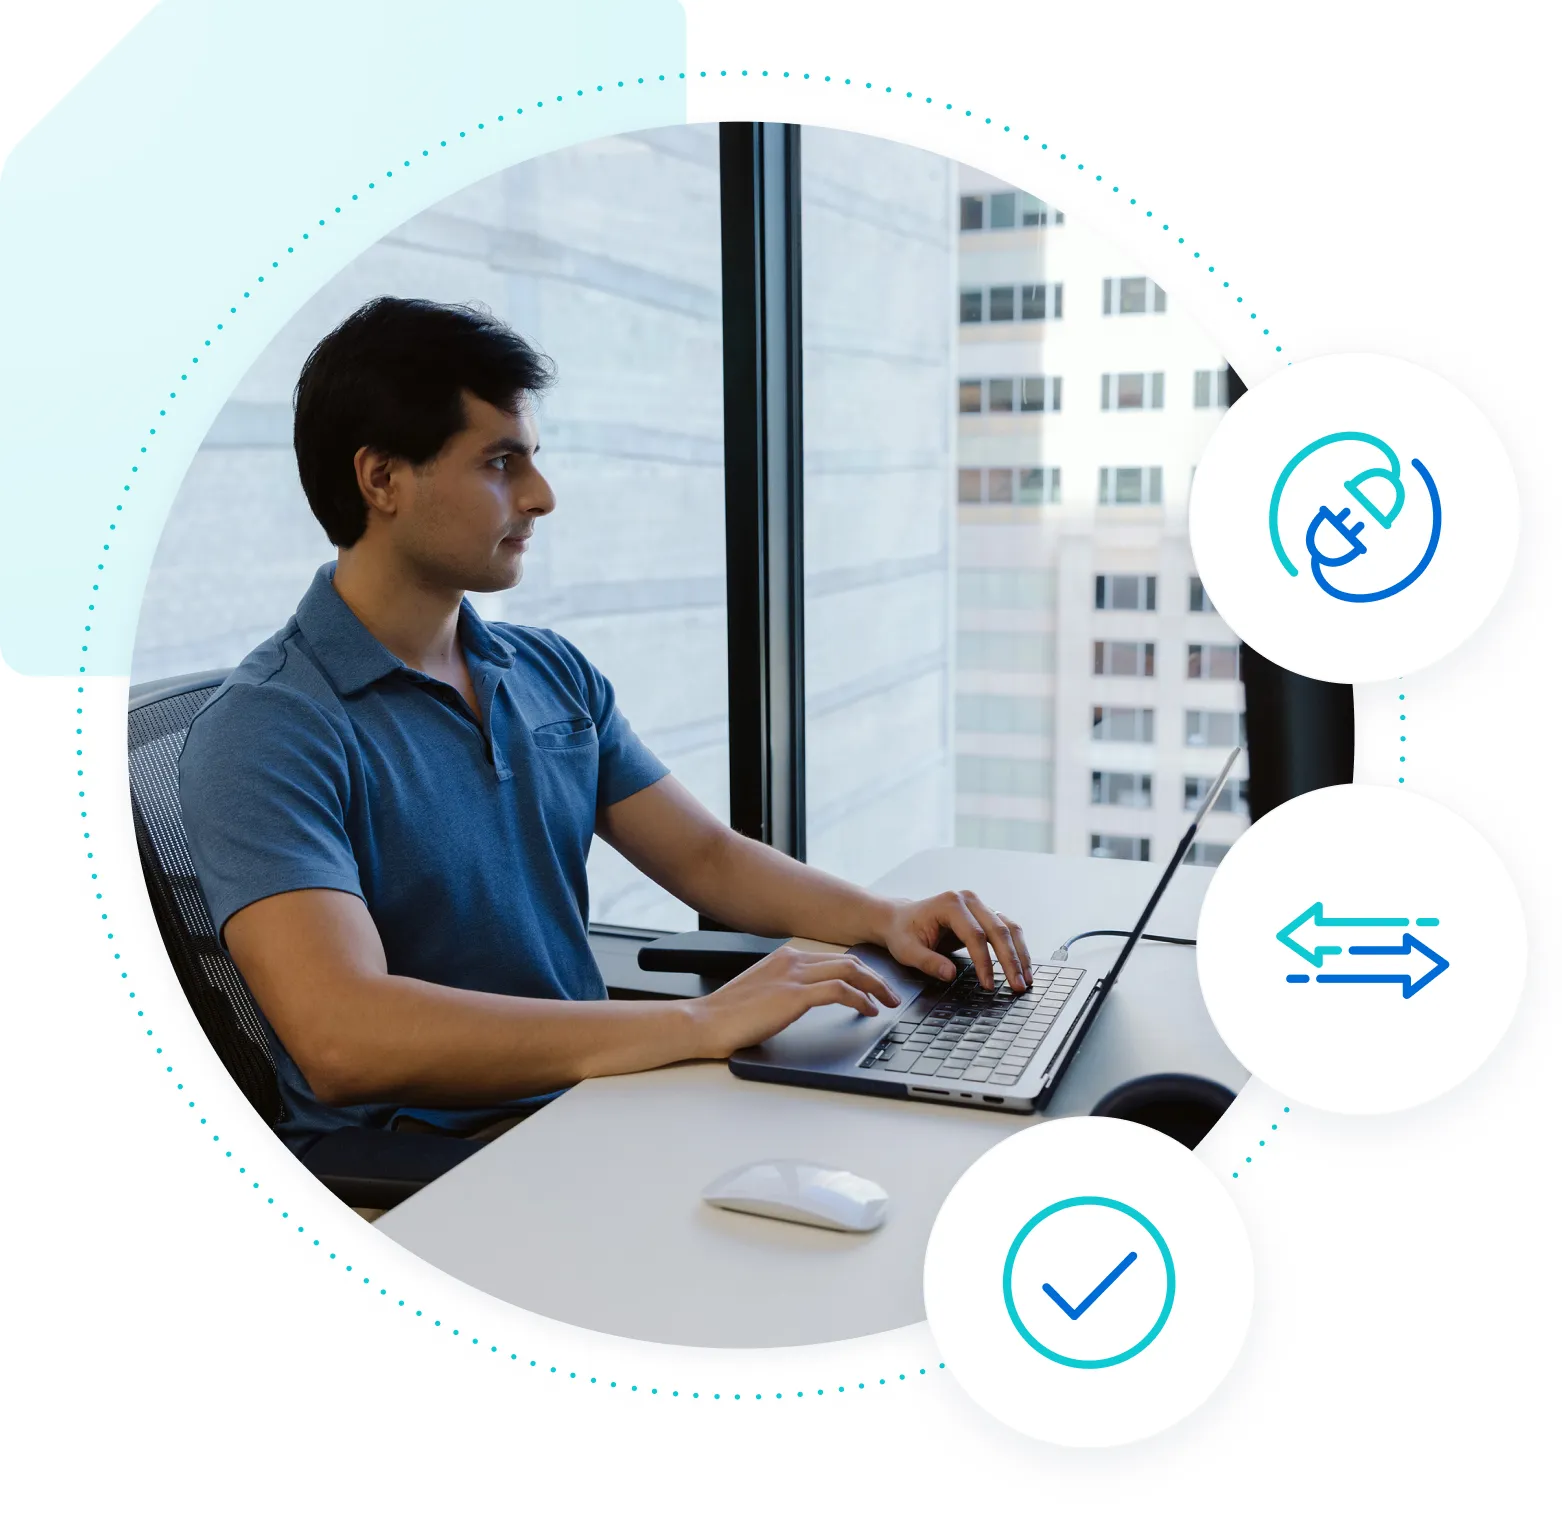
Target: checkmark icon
1095, 1293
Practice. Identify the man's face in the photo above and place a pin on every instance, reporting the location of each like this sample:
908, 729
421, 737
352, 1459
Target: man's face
474, 505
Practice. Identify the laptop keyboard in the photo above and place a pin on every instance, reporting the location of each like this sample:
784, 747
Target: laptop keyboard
974, 1035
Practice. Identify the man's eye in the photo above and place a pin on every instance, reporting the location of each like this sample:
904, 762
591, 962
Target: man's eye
501, 461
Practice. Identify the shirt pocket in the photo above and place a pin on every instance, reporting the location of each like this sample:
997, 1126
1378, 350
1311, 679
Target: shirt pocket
567, 733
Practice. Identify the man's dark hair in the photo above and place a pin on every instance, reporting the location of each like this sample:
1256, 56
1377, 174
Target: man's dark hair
391, 377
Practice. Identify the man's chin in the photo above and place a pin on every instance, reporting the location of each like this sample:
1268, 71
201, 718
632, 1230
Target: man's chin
496, 577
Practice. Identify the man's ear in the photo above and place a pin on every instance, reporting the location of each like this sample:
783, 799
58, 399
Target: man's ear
379, 479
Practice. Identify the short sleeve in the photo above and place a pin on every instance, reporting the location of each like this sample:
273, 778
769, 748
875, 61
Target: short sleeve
624, 763
264, 786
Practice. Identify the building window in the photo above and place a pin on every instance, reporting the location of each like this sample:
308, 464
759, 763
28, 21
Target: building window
1207, 853
1034, 393
1036, 305
1000, 303
1004, 651
1124, 657
1005, 209
1130, 486
1125, 593
1133, 393
1212, 662
970, 306
1232, 798
1002, 776
997, 713
1041, 485
1123, 725
1210, 388
1120, 789
1119, 847
1198, 597
1212, 730
1041, 393
1131, 296
984, 833
1027, 487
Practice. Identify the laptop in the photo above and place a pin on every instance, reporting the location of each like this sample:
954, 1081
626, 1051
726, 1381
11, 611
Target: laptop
954, 1042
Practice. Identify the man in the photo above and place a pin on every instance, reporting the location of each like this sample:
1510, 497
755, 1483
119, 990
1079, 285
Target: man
390, 801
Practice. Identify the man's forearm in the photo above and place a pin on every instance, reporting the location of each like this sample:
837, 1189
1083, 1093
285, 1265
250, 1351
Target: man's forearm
399, 1040
761, 891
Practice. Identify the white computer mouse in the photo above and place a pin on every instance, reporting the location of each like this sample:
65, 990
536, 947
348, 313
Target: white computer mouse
803, 1192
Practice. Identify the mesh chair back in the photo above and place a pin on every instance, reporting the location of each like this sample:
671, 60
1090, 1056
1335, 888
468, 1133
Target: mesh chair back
160, 716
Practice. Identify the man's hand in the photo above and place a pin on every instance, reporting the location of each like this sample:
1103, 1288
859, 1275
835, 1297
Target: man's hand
916, 932
773, 993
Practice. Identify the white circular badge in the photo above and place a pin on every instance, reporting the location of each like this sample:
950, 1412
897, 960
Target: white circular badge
1354, 518
1361, 949
1088, 1282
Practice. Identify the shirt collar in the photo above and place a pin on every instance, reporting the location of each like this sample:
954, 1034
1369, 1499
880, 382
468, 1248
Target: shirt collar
353, 658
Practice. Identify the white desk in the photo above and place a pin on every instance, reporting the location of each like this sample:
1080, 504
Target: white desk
590, 1212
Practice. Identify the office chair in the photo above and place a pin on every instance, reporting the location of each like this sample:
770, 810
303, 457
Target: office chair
365, 1168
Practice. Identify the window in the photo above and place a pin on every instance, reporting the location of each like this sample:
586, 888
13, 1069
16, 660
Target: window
1130, 486
1125, 593
1207, 853
1119, 847
1007, 590
1004, 209
998, 713
1212, 730
1002, 776
1123, 725
1198, 597
1120, 789
1133, 393
1232, 798
1041, 393
1035, 213
970, 395
1041, 485
1034, 302
1004, 651
1210, 388
970, 306
1000, 395
1123, 657
983, 833
1131, 296
969, 483
1212, 662
1000, 303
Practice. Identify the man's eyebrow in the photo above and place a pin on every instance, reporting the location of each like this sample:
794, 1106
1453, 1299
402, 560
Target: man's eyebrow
508, 446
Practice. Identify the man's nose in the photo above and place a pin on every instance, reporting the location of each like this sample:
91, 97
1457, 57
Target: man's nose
537, 497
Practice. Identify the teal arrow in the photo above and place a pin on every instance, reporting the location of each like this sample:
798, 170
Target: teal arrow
1289, 936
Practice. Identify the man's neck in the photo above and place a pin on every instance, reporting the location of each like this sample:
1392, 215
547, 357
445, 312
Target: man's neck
412, 618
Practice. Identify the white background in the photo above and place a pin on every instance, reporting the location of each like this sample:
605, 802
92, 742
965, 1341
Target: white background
1381, 179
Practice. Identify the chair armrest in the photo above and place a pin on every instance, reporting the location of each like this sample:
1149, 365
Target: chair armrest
379, 1168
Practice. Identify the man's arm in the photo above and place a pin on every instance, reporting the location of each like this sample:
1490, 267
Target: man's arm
680, 844
315, 962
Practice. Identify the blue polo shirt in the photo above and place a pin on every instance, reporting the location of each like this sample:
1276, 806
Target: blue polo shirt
324, 761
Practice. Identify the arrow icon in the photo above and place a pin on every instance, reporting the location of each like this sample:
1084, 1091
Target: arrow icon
1292, 939
1408, 982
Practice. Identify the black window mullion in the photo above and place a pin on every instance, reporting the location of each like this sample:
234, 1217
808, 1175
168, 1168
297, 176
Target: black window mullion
762, 384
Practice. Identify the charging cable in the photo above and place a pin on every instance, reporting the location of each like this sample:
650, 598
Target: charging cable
1061, 953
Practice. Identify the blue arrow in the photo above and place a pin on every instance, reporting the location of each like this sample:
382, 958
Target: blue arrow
1408, 986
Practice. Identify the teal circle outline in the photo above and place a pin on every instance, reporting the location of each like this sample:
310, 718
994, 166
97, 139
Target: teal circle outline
1057, 1356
